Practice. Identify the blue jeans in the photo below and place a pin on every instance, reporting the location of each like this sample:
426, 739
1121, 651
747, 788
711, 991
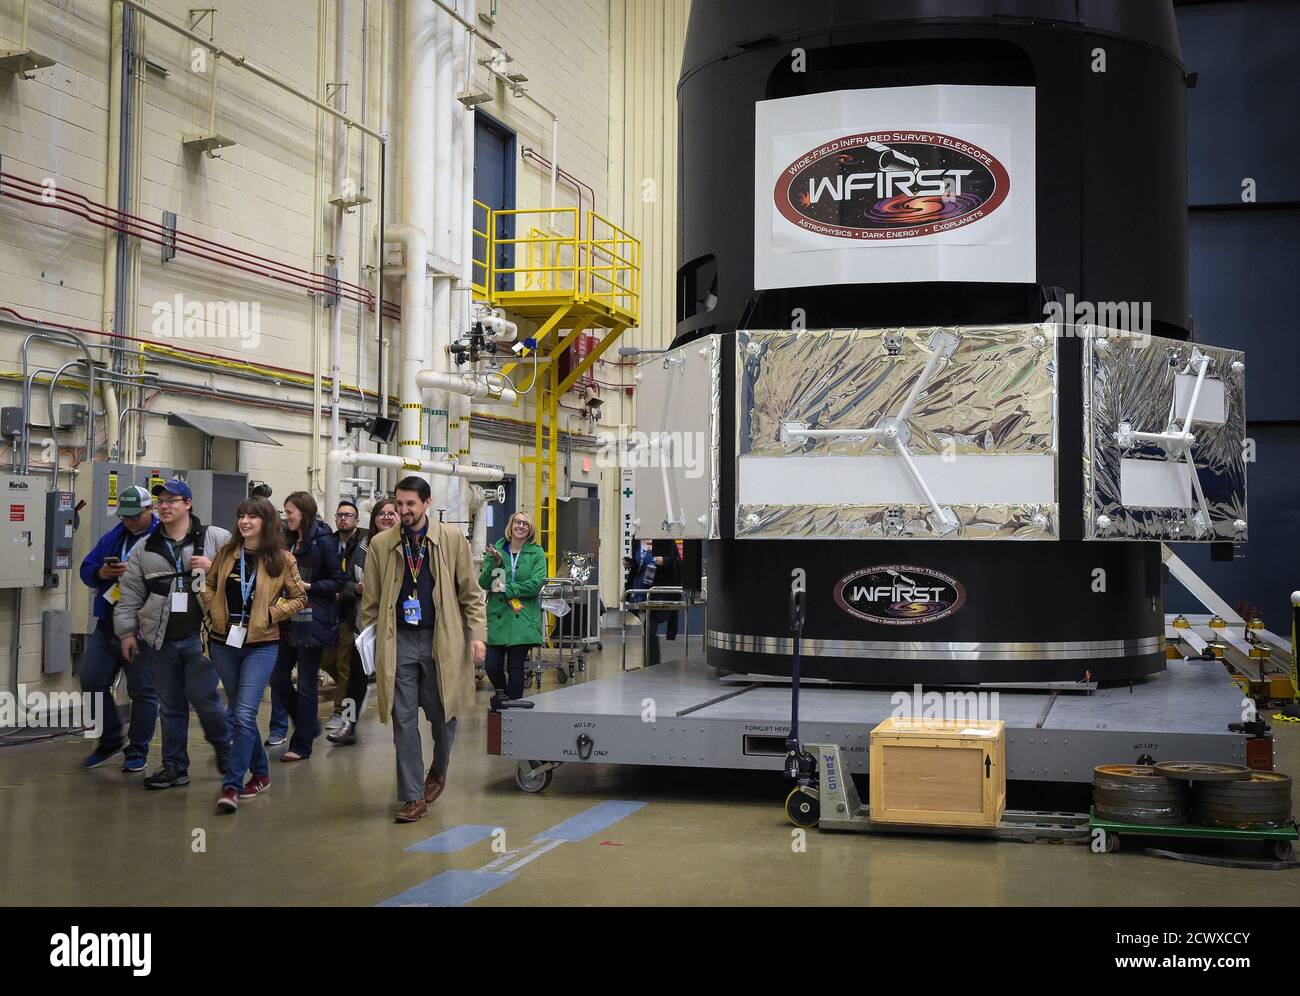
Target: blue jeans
301, 703
279, 716
245, 673
184, 677
100, 664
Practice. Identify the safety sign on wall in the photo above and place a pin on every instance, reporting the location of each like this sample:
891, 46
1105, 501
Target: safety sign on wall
627, 508
924, 183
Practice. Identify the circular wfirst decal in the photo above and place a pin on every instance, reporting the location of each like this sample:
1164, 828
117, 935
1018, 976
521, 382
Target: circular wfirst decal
899, 595
891, 186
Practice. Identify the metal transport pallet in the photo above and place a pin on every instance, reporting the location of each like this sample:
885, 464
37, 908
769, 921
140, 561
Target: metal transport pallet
682, 714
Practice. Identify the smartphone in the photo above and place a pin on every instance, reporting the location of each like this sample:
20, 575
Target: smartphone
111, 560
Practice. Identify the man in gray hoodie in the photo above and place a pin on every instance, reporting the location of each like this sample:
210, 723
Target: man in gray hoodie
160, 615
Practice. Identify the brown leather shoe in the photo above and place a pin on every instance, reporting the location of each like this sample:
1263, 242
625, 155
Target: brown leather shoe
433, 787
412, 811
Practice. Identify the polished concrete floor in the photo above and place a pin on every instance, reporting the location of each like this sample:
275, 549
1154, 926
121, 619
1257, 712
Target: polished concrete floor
324, 835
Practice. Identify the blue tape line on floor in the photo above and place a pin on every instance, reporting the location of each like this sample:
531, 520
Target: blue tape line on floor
454, 887
455, 839
590, 821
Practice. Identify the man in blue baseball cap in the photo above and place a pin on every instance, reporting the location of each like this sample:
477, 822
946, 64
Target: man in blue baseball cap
160, 618
102, 660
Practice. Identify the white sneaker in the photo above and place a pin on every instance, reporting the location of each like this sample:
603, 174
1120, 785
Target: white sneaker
335, 723
275, 740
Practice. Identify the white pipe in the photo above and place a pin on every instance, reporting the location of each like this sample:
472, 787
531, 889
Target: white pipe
468, 385
415, 250
336, 243
420, 42
477, 502
440, 230
457, 404
438, 468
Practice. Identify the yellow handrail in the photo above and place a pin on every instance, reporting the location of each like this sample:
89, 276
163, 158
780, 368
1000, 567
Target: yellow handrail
601, 265
480, 289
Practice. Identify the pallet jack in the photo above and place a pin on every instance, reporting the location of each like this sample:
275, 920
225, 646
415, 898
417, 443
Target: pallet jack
821, 780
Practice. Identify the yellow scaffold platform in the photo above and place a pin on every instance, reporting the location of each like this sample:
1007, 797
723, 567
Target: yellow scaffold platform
571, 275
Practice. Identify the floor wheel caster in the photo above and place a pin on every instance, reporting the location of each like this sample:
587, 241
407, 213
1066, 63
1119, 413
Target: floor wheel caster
1112, 843
529, 779
528, 681
801, 808
1283, 850
561, 675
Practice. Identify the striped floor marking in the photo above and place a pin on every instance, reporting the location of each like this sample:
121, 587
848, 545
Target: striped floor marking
458, 887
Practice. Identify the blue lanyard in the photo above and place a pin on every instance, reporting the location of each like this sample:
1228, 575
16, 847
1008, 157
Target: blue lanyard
128, 545
178, 560
514, 562
245, 587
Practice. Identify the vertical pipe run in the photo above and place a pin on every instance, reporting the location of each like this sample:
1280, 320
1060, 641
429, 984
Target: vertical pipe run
440, 236
418, 101
340, 184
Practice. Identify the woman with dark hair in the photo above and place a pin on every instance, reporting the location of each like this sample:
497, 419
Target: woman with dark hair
382, 516
244, 607
312, 629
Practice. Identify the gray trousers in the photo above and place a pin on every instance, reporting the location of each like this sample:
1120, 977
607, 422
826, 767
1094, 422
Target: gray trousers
416, 687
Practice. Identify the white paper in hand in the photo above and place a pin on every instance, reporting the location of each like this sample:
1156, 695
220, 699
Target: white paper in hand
366, 648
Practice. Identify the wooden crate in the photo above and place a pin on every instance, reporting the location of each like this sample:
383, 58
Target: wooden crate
938, 772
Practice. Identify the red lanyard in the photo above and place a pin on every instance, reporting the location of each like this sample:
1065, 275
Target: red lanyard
413, 565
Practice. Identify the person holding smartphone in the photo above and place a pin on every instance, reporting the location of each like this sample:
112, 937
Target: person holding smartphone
102, 660
253, 586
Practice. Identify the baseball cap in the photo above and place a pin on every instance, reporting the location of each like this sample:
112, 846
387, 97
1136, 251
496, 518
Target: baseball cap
176, 487
133, 501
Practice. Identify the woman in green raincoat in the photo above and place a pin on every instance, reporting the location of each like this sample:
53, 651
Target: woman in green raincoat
514, 570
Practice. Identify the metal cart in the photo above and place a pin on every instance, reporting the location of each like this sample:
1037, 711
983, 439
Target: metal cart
569, 654
663, 598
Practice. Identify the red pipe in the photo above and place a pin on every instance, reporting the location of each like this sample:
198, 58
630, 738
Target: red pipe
208, 249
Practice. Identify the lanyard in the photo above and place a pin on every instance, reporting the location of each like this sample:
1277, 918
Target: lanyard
514, 562
129, 542
413, 565
245, 586
177, 559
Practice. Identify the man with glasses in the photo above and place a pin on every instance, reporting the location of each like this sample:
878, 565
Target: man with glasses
160, 617
102, 660
337, 659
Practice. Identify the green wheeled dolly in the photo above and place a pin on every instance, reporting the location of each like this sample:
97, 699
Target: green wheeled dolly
1107, 835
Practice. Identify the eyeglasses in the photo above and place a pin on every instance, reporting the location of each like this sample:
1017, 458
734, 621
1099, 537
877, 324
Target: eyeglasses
345, 515
169, 501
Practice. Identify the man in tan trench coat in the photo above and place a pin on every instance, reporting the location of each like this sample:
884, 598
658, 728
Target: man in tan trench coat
422, 593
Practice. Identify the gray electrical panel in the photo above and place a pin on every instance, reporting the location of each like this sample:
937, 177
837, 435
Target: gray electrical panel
58, 530
98, 484
56, 645
217, 494
22, 531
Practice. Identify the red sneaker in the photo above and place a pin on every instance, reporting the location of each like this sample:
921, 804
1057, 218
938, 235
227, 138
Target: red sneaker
257, 784
228, 801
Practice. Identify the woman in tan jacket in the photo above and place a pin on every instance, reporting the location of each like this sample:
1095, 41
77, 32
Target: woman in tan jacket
253, 586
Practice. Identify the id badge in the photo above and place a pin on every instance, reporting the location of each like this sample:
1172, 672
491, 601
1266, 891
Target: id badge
235, 638
411, 611
114, 594
516, 604
180, 601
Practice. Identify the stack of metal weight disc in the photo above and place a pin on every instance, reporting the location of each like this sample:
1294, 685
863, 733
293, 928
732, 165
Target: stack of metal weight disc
1137, 793
1258, 800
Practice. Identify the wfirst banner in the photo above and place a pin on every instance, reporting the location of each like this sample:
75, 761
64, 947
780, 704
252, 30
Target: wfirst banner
895, 184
